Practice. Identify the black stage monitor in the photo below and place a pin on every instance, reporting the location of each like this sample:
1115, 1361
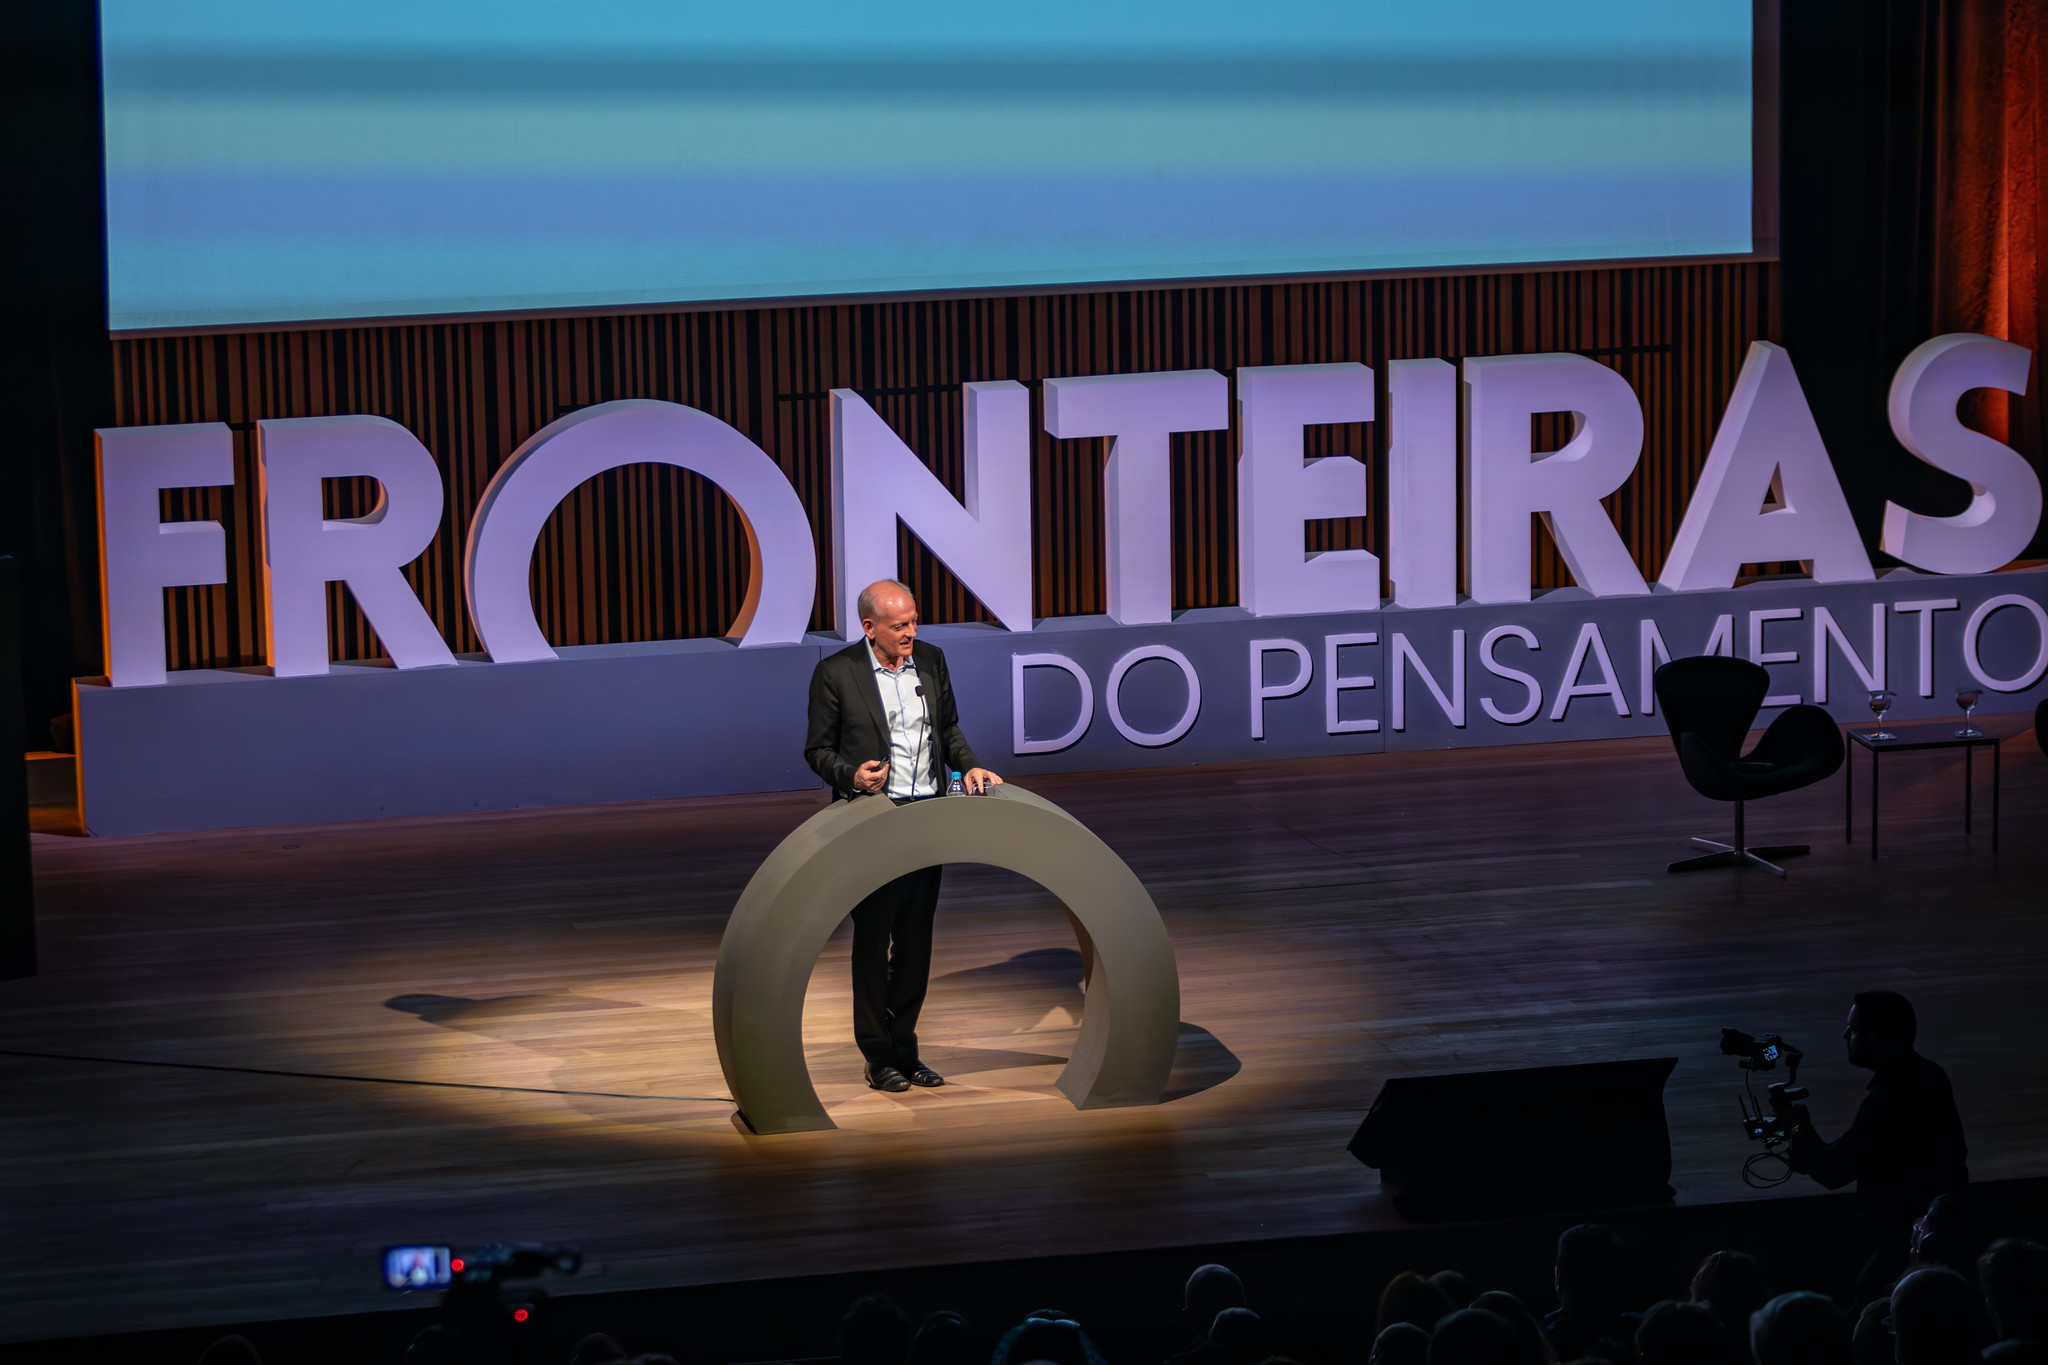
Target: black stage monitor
1548, 1139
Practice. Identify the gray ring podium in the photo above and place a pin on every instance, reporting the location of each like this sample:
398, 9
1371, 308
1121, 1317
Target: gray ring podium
1129, 1029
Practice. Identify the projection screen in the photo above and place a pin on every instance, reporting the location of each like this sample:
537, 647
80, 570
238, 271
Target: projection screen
281, 161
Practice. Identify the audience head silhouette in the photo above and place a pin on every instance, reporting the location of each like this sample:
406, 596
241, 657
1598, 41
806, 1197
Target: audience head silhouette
874, 1332
1058, 1341
1531, 1346
1946, 1235
1799, 1329
943, 1339
1935, 1319
1410, 1298
1401, 1344
1590, 1263
1473, 1336
1731, 1285
1675, 1333
1238, 1334
1211, 1289
1457, 1290
2014, 1273
231, 1350
596, 1349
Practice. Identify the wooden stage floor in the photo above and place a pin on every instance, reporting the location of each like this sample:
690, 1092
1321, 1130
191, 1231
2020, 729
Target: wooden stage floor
268, 1053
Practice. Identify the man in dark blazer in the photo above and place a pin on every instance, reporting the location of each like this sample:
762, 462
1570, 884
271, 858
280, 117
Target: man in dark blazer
883, 723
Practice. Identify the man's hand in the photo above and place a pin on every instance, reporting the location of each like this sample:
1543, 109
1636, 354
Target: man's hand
871, 776
979, 780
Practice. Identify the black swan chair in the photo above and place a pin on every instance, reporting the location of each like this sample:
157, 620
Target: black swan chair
1709, 702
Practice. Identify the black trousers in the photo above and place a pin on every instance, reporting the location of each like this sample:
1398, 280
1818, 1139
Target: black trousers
892, 966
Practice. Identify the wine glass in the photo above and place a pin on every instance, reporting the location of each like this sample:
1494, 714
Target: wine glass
1967, 698
1881, 702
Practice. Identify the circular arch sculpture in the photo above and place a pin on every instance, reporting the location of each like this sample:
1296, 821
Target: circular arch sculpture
1129, 1029
782, 560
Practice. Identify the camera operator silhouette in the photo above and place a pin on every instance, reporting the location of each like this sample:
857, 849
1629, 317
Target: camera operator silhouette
1905, 1145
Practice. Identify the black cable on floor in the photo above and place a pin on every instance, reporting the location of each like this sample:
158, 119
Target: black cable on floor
366, 1080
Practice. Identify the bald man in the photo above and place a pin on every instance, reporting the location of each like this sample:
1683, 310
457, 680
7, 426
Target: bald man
883, 724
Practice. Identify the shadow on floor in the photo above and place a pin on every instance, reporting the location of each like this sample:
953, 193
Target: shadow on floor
606, 1049
1015, 995
1034, 990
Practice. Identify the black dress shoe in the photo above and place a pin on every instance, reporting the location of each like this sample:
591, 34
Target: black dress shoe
886, 1078
922, 1075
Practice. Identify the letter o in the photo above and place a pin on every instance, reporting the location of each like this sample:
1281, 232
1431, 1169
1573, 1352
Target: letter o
782, 560
1976, 624
1111, 695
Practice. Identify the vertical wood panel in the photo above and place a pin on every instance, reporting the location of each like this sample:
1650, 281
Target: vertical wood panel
650, 552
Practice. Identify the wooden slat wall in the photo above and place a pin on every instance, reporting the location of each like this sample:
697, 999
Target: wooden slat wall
649, 552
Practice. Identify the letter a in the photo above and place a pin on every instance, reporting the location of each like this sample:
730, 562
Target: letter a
1768, 449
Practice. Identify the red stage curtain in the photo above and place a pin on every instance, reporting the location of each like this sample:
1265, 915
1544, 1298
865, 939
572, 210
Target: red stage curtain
1990, 128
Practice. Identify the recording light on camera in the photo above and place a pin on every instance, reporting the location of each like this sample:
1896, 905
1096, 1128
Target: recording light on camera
456, 1265
520, 1315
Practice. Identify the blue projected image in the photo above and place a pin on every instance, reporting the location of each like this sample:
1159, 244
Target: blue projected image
282, 161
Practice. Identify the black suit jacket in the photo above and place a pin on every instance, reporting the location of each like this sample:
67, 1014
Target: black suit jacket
848, 726
1905, 1147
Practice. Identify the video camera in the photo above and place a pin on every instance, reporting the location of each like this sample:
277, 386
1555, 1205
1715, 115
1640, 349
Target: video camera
1762, 1053
1765, 1052
479, 1320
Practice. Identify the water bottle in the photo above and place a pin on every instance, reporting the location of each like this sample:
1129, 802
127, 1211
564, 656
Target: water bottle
957, 786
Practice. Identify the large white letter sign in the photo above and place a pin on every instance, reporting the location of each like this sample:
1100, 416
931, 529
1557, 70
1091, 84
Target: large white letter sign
1590, 644
303, 551
1825, 628
1452, 706
2005, 494
783, 562
1262, 691
1973, 630
1422, 483
1279, 491
1767, 450
140, 553
985, 538
1112, 694
1534, 700
1506, 482
1759, 655
1335, 684
1141, 411
1720, 640
1019, 742
1926, 609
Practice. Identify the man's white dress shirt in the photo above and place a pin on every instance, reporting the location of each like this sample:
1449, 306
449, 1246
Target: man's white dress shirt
911, 761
